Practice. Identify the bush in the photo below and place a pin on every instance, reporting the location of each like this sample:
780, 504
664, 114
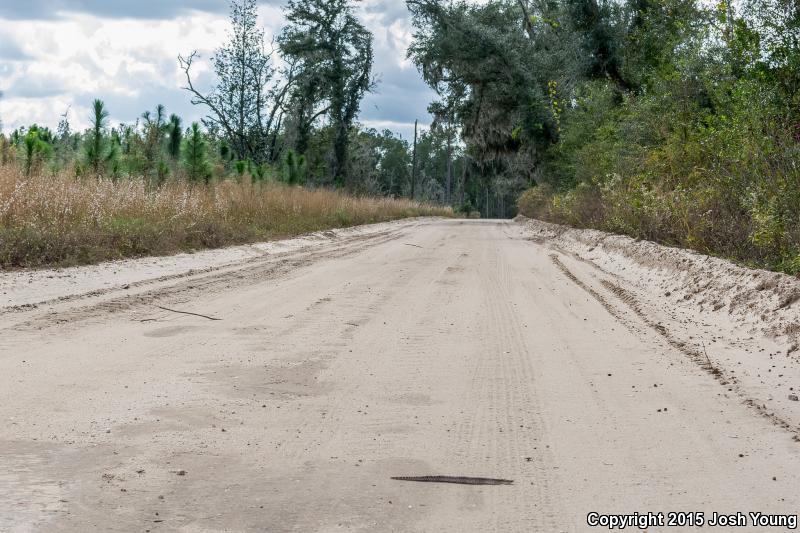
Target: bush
724, 184
536, 201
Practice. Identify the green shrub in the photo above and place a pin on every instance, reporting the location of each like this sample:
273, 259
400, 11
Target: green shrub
536, 201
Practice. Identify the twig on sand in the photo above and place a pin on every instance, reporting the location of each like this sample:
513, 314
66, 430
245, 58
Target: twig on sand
414, 245
187, 313
714, 370
706, 353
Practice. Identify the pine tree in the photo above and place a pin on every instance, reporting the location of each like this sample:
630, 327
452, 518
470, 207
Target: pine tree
294, 168
175, 136
98, 154
35, 149
195, 156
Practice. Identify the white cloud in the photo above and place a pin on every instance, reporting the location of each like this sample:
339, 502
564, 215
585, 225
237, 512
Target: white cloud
69, 54
43, 111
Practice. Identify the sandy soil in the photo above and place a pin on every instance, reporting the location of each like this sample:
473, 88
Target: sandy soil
569, 362
43, 286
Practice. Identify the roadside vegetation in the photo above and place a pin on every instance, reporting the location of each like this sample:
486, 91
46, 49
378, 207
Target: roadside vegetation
676, 121
279, 108
278, 152
671, 120
59, 219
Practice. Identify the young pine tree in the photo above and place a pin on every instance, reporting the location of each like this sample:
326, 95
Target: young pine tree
98, 152
35, 150
175, 133
294, 168
242, 166
195, 156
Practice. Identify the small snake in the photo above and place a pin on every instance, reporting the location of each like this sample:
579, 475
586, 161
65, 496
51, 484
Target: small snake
458, 480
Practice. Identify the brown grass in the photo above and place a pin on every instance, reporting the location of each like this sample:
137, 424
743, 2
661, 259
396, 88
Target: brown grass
61, 220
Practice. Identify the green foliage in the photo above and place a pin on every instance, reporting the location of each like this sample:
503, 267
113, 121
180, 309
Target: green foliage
151, 144
242, 167
535, 201
466, 208
663, 167
98, 151
175, 136
162, 172
35, 149
293, 170
247, 98
261, 173
332, 54
225, 152
671, 120
195, 156
380, 163
490, 64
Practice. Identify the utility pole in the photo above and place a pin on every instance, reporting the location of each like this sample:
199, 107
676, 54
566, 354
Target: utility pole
463, 183
449, 160
414, 162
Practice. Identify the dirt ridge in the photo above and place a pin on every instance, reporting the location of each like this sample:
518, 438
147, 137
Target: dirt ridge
761, 300
686, 297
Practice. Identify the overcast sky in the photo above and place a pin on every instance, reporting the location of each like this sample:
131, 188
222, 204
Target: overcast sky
61, 54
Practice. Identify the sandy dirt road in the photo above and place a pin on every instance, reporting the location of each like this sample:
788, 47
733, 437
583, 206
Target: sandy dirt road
431, 348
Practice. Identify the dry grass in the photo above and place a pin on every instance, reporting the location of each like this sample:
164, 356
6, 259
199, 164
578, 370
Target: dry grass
61, 220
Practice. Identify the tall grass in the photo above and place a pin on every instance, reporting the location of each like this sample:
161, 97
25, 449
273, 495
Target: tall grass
63, 220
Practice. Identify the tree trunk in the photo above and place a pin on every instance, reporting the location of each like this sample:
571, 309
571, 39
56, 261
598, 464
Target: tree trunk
414, 162
526, 15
